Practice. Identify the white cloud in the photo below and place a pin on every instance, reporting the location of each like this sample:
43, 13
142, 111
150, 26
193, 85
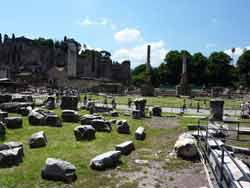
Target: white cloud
237, 53
128, 35
138, 54
99, 22
210, 45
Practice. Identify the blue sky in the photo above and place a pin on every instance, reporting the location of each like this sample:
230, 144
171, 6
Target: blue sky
125, 27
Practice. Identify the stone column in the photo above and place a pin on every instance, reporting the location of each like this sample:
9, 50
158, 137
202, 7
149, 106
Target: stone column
147, 89
184, 64
72, 59
148, 66
216, 109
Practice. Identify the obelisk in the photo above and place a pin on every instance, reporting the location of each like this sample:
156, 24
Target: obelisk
148, 88
183, 88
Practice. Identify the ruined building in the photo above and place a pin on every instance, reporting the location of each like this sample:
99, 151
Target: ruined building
58, 63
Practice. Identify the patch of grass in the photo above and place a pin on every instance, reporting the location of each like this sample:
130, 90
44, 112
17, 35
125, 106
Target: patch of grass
169, 101
62, 144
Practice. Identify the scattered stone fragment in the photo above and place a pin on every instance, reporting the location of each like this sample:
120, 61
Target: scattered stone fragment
123, 127
136, 114
58, 170
2, 129
14, 122
53, 120
70, 116
140, 133
38, 139
141, 162
156, 111
106, 160
14, 107
50, 103
185, 147
114, 113
84, 132
3, 115
42, 117
24, 111
101, 125
5, 98
11, 157
69, 102
125, 148
87, 119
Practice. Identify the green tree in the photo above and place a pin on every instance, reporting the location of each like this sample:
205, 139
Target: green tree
173, 68
198, 68
243, 65
220, 72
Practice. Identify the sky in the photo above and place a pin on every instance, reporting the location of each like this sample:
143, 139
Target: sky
125, 28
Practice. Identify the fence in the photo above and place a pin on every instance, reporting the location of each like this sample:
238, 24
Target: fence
207, 150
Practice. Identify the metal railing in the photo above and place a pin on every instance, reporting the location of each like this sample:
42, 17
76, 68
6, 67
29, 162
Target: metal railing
207, 150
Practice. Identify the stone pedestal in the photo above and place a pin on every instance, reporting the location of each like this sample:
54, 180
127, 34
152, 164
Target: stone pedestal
140, 105
183, 89
216, 109
147, 90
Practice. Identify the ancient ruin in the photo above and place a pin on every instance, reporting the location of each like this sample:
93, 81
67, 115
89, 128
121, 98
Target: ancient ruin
59, 64
183, 88
148, 89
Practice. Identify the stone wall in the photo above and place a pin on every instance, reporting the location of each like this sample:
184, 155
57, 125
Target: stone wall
23, 55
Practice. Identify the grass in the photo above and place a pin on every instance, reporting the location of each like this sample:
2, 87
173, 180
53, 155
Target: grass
62, 144
169, 101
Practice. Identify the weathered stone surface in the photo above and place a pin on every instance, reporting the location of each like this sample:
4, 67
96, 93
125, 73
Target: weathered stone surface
69, 102
216, 109
12, 145
11, 157
42, 117
240, 184
5, 98
87, 119
84, 132
185, 147
114, 113
13, 107
136, 114
2, 129
37, 117
70, 116
122, 127
38, 139
14, 122
101, 125
106, 160
140, 104
24, 111
125, 148
3, 115
156, 111
50, 103
53, 120
140, 133
59, 170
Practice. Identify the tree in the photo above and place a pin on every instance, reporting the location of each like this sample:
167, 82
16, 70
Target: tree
139, 75
173, 68
220, 71
198, 69
243, 65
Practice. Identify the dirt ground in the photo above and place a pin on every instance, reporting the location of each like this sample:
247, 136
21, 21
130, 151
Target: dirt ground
155, 168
